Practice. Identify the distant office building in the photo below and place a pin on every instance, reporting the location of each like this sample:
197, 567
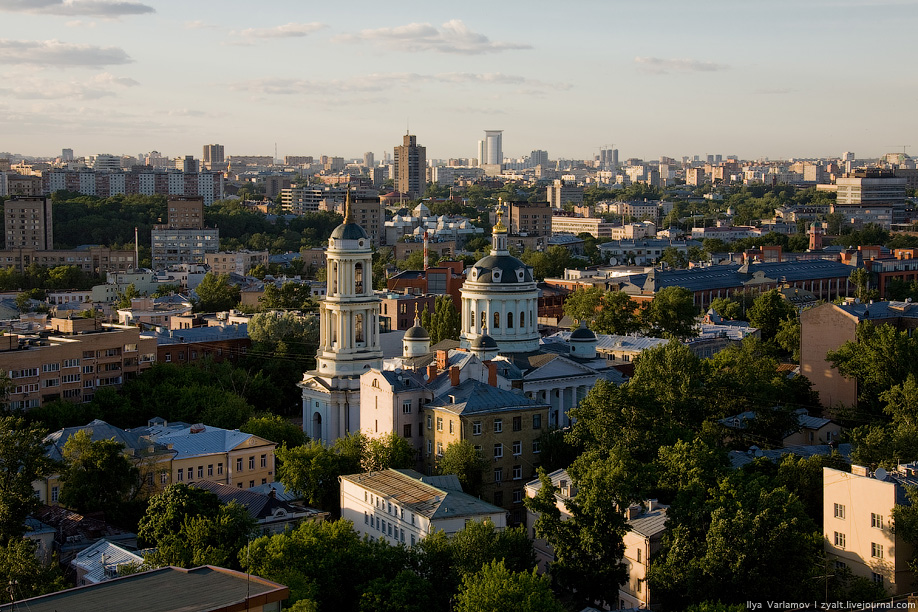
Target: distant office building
368, 159
560, 193
28, 223
66, 155
183, 238
379, 175
410, 167
491, 149
871, 196
276, 183
298, 160
213, 154
250, 160
186, 164
538, 158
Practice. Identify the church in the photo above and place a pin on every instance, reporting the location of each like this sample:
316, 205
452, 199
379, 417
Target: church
499, 346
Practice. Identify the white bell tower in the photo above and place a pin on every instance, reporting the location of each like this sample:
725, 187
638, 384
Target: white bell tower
348, 335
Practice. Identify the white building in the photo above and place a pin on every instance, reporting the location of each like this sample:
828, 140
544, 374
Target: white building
403, 507
500, 300
348, 336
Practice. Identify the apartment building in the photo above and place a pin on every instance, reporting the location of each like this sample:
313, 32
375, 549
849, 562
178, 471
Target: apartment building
595, 226
403, 506
533, 219
503, 426
71, 359
240, 262
183, 238
560, 193
28, 223
140, 180
97, 260
858, 524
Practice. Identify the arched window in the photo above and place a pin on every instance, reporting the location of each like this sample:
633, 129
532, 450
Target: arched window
333, 320
473, 319
316, 426
358, 328
496, 320
334, 278
483, 319
376, 383
358, 278
509, 320
522, 319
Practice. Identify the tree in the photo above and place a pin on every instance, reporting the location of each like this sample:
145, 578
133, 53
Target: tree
389, 451
313, 469
788, 337
497, 589
444, 322
674, 258
671, 311
215, 293
860, 278
290, 296
22, 462
549, 263
167, 511
96, 474
479, 542
767, 312
275, 428
462, 459
124, 299
606, 312
206, 539
24, 575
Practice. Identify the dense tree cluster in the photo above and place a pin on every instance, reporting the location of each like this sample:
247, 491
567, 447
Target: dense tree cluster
671, 313
444, 322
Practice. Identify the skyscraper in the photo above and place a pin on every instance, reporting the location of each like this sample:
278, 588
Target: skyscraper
368, 159
491, 149
538, 158
411, 167
213, 154
28, 223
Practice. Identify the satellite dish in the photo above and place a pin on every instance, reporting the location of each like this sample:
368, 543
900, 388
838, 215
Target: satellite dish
880, 474
759, 453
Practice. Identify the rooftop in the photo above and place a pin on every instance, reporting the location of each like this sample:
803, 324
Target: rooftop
474, 397
168, 589
408, 489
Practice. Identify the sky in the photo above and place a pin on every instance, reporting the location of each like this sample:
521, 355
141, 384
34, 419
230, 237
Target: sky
775, 79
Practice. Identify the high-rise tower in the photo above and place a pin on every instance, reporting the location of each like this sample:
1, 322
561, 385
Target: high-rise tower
411, 167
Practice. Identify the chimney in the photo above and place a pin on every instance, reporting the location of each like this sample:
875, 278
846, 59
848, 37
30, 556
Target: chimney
454, 376
492, 373
431, 372
442, 359
634, 511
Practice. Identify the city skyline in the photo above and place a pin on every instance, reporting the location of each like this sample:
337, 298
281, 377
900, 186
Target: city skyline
802, 80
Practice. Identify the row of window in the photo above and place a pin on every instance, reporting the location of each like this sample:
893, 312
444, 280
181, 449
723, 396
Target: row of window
876, 520
517, 473
387, 507
498, 424
210, 468
517, 447
387, 528
508, 319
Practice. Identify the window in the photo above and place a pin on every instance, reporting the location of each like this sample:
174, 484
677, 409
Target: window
498, 450
406, 407
180, 474
537, 421
429, 422
412, 539
522, 319
219, 468
876, 520
450, 426
517, 496
509, 320
518, 447
264, 461
251, 463
439, 449
251, 483
498, 474
517, 472
163, 478
517, 423
840, 565
496, 320
839, 511
190, 474
536, 447
200, 471
439, 423
54, 493
498, 425
149, 478
473, 320
358, 279
876, 550
476, 428
407, 430
877, 578
358, 328
498, 498
429, 447
638, 555
239, 464
366, 518
839, 540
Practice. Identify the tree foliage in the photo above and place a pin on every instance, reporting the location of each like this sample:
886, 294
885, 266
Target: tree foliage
275, 428
215, 293
605, 312
496, 589
444, 322
23, 574
672, 312
462, 459
768, 311
96, 474
22, 461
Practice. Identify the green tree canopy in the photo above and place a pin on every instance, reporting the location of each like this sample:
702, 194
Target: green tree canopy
96, 474
497, 589
313, 469
444, 322
23, 574
672, 312
462, 459
389, 451
768, 311
167, 511
606, 312
22, 462
215, 293
275, 428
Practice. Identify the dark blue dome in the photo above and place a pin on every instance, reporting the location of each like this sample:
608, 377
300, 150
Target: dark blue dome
508, 267
349, 231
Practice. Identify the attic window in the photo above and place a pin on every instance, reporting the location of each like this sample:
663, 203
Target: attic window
496, 274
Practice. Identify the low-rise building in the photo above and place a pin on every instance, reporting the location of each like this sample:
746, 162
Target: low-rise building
858, 524
403, 506
240, 262
101, 562
270, 514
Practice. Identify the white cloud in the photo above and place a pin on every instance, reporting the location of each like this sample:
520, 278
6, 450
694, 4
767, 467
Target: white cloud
656, 65
69, 8
106, 78
79, 23
33, 88
55, 53
288, 30
198, 25
452, 37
